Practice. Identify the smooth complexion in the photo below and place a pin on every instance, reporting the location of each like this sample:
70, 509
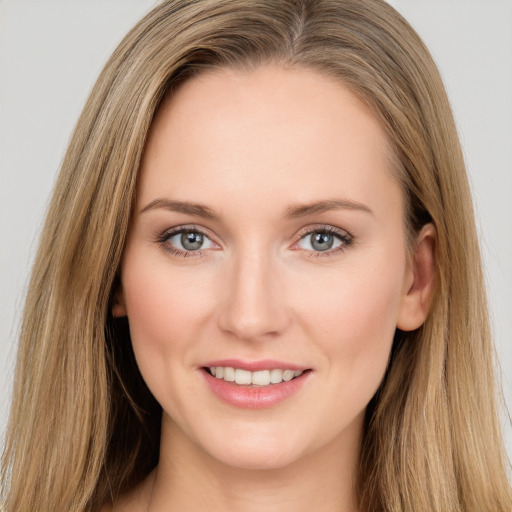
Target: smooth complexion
268, 227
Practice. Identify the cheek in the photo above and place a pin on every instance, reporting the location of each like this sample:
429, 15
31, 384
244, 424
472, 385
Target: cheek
165, 309
352, 319
354, 303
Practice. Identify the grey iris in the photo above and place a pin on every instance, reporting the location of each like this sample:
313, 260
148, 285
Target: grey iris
321, 241
191, 240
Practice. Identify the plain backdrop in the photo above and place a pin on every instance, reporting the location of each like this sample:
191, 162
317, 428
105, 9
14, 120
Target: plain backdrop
52, 50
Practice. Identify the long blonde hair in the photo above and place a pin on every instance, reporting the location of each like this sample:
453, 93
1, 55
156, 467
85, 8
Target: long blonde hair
84, 428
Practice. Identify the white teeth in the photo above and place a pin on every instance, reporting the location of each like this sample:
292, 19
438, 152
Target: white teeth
229, 374
242, 376
261, 378
276, 376
288, 375
258, 378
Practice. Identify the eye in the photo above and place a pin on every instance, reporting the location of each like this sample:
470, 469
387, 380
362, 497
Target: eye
323, 240
186, 241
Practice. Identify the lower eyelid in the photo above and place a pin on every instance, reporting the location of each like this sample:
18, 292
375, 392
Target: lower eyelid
184, 254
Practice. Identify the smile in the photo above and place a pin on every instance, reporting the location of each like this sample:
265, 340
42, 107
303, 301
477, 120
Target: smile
256, 385
257, 378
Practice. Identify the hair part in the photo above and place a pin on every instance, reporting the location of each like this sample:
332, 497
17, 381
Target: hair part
84, 428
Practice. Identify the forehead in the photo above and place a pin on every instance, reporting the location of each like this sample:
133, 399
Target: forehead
293, 131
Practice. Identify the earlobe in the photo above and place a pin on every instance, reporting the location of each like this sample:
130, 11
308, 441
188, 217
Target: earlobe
118, 304
418, 291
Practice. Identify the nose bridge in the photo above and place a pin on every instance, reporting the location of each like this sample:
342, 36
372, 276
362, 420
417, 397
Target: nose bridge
253, 305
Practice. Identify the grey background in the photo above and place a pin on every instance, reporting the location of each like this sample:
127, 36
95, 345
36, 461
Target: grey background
52, 50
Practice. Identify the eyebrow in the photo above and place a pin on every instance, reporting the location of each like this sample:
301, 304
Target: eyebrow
293, 211
303, 210
181, 207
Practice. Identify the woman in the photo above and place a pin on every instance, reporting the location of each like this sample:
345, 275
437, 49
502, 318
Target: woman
259, 281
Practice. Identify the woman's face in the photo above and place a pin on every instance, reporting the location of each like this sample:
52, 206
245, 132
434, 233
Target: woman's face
267, 240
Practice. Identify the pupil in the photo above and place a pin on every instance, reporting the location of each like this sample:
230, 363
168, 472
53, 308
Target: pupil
322, 241
191, 240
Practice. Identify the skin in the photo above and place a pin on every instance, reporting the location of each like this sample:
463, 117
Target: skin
252, 146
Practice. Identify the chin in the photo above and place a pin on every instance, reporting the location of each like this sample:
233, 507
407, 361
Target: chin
258, 460
258, 452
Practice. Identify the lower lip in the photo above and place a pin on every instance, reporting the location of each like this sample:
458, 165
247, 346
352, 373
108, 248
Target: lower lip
249, 397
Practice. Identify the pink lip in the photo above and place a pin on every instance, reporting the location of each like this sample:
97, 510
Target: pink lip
254, 366
254, 397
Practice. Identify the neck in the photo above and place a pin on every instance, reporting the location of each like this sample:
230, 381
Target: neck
188, 479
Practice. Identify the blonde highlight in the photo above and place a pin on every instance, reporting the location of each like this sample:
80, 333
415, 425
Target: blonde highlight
84, 428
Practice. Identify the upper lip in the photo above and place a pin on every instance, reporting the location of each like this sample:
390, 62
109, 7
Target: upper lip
254, 366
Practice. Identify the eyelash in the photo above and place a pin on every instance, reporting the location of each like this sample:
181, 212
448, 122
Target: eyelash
164, 239
344, 237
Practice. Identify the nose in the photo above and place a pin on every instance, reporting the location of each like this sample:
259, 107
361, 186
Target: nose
253, 300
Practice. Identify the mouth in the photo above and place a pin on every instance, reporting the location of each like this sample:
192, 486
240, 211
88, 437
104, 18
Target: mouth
257, 385
260, 378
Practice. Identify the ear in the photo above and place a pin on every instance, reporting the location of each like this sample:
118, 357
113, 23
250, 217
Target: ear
118, 303
419, 281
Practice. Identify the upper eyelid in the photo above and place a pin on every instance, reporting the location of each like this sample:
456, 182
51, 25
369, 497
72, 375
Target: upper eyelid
324, 227
167, 233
